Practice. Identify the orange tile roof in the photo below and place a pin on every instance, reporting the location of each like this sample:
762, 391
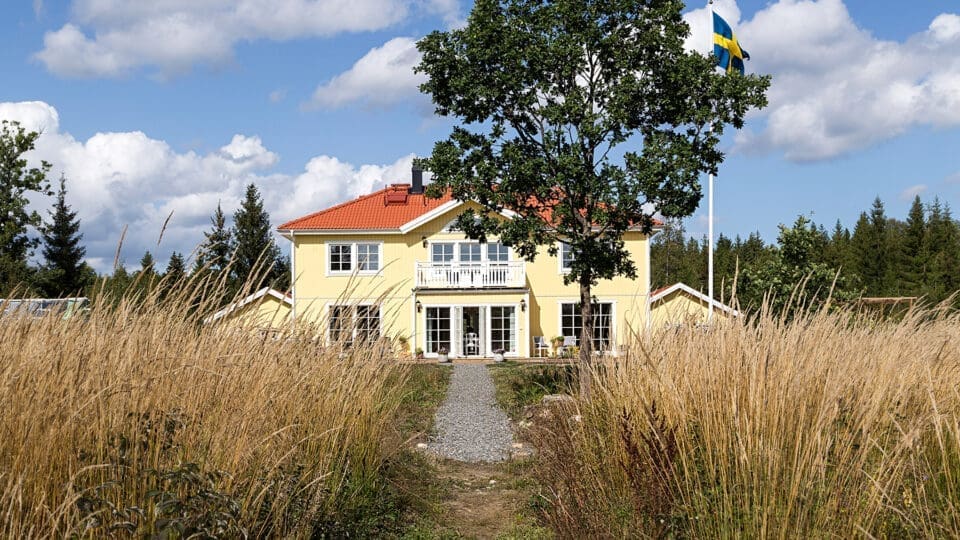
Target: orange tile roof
386, 209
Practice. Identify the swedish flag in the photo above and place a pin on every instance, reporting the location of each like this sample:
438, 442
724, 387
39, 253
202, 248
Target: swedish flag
726, 47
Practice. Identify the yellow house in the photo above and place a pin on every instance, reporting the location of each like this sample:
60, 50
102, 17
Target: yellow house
264, 309
391, 264
680, 304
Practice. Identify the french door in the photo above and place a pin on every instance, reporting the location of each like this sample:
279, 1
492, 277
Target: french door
475, 331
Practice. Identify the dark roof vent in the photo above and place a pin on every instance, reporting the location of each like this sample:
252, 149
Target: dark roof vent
417, 187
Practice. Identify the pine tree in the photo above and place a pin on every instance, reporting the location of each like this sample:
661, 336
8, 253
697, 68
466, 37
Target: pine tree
64, 272
256, 250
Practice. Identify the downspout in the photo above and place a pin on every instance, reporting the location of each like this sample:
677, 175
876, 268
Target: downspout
413, 309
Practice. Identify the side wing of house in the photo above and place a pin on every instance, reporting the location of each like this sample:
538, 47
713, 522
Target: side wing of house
680, 305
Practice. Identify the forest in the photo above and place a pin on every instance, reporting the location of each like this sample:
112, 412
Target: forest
882, 256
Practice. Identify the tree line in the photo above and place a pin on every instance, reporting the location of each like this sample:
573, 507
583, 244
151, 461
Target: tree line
881, 257
229, 257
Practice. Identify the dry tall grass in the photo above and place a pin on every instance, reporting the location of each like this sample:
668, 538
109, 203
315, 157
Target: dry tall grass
139, 419
826, 426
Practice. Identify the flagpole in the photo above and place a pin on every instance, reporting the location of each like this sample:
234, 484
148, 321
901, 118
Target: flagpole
710, 205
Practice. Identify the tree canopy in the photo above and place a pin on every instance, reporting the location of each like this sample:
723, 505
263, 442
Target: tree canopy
17, 182
583, 119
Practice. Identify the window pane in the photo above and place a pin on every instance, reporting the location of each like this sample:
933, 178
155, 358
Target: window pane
571, 324
368, 323
441, 253
503, 328
566, 256
340, 325
498, 252
340, 258
368, 257
438, 329
470, 253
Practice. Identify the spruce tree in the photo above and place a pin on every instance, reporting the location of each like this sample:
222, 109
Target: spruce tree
870, 247
64, 272
944, 242
176, 269
256, 250
146, 264
215, 252
914, 270
17, 182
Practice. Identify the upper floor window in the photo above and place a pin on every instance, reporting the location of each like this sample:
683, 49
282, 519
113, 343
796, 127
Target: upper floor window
346, 257
441, 252
470, 253
566, 257
497, 252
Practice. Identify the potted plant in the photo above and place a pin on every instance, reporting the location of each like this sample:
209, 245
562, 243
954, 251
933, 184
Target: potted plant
557, 343
442, 353
419, 353
498, 355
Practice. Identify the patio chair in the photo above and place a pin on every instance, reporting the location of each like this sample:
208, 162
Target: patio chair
540, 345
568, 341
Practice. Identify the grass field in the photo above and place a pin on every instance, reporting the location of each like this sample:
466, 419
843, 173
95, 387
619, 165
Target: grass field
826, 426
139, 420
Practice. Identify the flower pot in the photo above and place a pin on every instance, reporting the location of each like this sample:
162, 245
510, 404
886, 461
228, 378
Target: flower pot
443, 358
498, 357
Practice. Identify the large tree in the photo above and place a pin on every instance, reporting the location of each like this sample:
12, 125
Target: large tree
17, 182
64, 272
582, 118
257, 255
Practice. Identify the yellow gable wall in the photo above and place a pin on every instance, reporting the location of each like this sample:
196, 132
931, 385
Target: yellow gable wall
265, 312
680, 307
392, 287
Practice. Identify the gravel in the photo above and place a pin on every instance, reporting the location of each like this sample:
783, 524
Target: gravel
470, 425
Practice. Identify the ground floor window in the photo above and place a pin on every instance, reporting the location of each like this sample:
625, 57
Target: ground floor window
438, 329
503, 325
571, 323
349, 324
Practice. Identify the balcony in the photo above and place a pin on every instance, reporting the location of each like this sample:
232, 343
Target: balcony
471, 275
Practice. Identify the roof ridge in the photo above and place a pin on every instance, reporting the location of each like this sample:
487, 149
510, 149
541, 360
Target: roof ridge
332, 208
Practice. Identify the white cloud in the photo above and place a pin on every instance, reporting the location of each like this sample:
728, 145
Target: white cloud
277, 95
118, 179
383, 76
912, 191
836, 88
110, 38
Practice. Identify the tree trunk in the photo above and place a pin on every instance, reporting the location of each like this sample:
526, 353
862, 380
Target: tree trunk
586, 339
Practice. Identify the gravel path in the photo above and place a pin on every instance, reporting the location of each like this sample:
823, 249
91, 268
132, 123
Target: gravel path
470, 425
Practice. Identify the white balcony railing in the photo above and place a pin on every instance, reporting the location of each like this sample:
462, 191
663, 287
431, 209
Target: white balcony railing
470, 275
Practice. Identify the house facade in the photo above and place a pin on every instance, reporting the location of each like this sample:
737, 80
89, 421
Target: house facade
392, 264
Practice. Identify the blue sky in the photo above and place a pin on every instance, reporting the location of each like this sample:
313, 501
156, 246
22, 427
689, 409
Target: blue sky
174, 105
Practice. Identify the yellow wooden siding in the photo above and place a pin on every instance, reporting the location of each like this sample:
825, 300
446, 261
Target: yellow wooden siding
265, 312
316, 289
682, 308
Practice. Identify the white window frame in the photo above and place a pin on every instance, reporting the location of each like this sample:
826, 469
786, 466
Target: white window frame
561, 268
484, 251
612, 341
352, 311
487, 337
354, 258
